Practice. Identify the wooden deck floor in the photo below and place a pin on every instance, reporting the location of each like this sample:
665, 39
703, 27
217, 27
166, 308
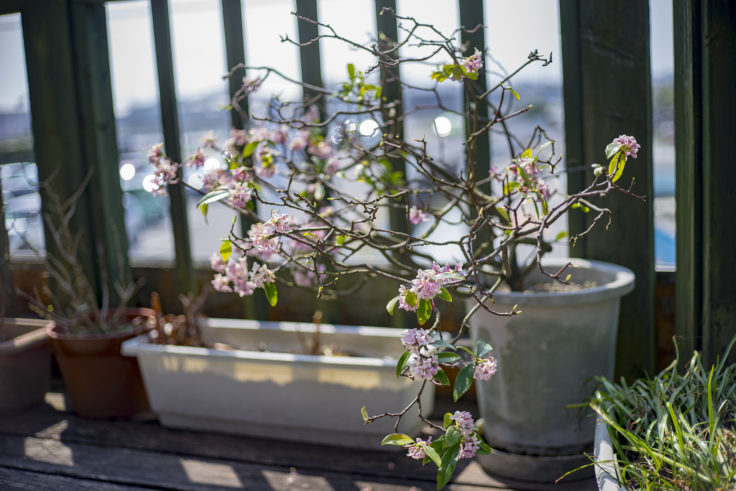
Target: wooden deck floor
50, 448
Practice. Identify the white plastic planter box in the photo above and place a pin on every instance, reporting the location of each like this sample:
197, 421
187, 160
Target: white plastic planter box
276, 393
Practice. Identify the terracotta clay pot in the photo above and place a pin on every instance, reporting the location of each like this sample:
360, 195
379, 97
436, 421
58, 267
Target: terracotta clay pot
25, 364
101, 382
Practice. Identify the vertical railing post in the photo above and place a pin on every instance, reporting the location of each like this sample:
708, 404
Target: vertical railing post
7, 290
309, 55
387, 34
607, 89
99, 140
705, 124
170, 125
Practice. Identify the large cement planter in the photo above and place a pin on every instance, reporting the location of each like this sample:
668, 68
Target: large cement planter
547, 358
265, 388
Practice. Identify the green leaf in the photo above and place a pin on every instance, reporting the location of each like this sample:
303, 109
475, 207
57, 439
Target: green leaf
204, 209
441, 343
410, 298
449, 462
616, 166
516, 95
526, 154
402, 363
612, 149
213, 196
463, 381
351, 71
226, 249
249, 149
432, 454
271, 293
364, 414
391, 305
424, 310
561, 235
482, 348
397, 439
340, 240
441, 377
483, 447
446, 420
448, 357
453, 436
503, 213
444, 294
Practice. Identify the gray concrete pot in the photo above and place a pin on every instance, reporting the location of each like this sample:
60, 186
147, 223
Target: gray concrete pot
547, 357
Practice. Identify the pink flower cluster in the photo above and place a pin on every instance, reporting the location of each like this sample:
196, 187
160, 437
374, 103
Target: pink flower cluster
535, 178
485, 368
233, 275
465, 424
164, 169
416, 450
262, 239
428, 283
422, 362
474, 62
628, 145
417, 216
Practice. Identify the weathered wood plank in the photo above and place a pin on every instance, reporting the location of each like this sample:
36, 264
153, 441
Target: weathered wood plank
170, 125
609, 69
718, 43
21, 480
65, 444
688, 175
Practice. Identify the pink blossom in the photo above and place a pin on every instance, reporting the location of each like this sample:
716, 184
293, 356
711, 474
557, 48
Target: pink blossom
209, 140
260, 275
422, 367
321, 149
240, 195
239, 137
333, 165
402, 300
300, 142
242, 174
416, 450
464, 422
425, 285
414, 339
469, 447
196, 160
217, 263
155, 153
417, 216
165, 171
221, 283
485, 368
628, 145
474, 62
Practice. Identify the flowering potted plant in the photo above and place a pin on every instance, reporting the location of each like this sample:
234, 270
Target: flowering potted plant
85, 335
333, 191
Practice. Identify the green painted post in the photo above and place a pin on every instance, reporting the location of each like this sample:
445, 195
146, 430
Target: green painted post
718, 45
170, 125
309, 55
99, 141
387, 34
56, 123
688, 178
607, 88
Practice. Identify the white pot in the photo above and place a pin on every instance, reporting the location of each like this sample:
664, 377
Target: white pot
276, 393
547, 357
606, 470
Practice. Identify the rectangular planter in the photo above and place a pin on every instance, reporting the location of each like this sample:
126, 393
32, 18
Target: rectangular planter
25, 364
264, 388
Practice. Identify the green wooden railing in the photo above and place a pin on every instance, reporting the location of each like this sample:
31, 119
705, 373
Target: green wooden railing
607, 91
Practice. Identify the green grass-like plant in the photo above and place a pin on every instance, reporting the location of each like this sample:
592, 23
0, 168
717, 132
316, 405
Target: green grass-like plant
676, 430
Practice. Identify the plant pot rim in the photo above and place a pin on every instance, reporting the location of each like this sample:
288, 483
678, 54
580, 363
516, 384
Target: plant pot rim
56, 332
622, 284
606, 468
27, 340
141, 344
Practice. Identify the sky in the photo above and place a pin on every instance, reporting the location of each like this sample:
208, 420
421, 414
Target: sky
513, 30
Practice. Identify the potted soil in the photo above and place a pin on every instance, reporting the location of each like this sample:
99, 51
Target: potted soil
548, 357
25, 363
